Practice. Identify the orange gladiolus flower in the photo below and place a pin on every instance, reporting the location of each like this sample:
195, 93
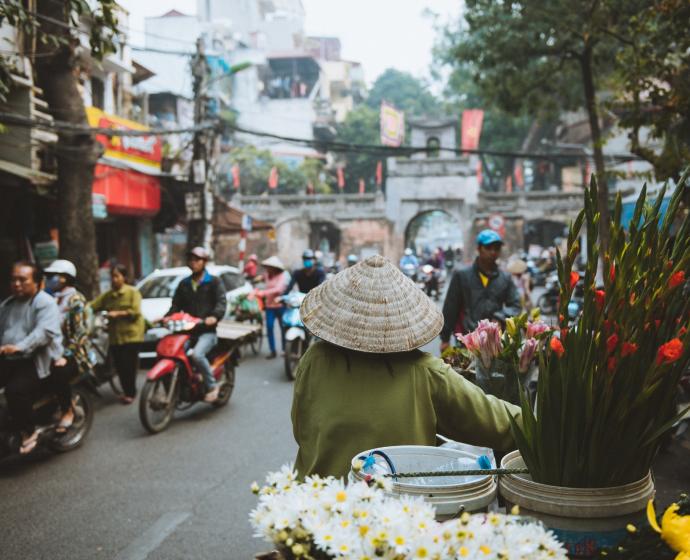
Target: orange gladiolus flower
677, 278
600, 299
574, 278
611, 343
557, 347
669, 352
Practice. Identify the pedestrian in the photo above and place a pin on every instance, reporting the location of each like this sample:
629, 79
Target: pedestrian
62, 276
276, 282
365, 384
202, 295
251, 268
479, 291
122, 303
30, 340
307, 277
521, 278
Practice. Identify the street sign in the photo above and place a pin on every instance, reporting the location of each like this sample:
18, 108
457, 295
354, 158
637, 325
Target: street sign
497, 223
246, 222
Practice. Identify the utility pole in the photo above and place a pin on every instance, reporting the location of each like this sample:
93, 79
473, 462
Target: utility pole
199, 200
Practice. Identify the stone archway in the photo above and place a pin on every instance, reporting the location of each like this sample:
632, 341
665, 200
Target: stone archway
430, 229
543, 232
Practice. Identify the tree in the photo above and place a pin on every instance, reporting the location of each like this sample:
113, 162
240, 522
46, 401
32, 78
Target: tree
55, 25
531, 55
361, 126
654, 83
403, 90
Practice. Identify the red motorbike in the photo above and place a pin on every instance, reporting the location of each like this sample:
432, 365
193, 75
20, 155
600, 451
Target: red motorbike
173, 383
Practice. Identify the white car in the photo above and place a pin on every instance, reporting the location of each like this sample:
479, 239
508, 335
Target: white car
157, 288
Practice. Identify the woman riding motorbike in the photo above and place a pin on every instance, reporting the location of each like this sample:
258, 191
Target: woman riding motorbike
276, 282
62, 275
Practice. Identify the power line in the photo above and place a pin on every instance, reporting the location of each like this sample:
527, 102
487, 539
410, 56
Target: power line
161, 51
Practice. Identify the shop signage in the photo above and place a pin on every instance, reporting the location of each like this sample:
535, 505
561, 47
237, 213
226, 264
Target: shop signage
99, 207
246, 222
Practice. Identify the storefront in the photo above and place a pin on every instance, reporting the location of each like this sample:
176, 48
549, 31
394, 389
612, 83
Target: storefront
127, 195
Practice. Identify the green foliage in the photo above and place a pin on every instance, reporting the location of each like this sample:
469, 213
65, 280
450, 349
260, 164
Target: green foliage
102, 29
606, 400
255, 167
406, 92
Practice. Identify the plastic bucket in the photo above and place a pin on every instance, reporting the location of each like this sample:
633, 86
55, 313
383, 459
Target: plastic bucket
448, 496
584, 519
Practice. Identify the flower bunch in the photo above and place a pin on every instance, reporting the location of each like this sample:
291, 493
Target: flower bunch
508, 353
324, 518
607, 384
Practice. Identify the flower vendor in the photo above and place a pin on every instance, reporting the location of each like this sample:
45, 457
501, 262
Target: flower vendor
366, 384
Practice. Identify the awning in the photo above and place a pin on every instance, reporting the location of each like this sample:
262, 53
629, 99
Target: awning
228, 219
127, 192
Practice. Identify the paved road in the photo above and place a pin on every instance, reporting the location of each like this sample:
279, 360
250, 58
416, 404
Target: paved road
127, 495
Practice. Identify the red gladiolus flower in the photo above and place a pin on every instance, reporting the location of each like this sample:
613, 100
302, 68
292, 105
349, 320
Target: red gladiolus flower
682, 331
557, 347
611, 343
564, 332
628, 349
611, 364
600, 299
677, 278
669, 352
657, 323
561, 318
574, 278
612, 273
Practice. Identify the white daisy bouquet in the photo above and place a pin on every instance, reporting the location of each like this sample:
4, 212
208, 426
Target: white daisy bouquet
322, 518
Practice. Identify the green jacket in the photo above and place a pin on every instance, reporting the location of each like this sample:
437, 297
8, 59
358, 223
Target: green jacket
346, 402
123, 330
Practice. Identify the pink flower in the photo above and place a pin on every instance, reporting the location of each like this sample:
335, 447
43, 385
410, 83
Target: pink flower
484, 342
535, 329
527, 353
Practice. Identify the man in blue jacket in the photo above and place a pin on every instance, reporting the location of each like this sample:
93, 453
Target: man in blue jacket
480, 291
202, 295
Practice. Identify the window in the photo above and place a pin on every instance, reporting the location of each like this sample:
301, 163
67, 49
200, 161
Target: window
160, 287
433, 146
232, 280
97, 93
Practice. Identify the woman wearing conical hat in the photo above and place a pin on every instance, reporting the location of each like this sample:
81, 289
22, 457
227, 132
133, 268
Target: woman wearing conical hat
365, 384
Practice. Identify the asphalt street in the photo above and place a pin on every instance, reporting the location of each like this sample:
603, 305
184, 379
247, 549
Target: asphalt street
128, 495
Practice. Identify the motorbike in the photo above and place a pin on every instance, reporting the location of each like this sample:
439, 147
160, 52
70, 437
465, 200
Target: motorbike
431, 278
46, 417
409, 270
297, 338
548, 301
102, 371
173, 383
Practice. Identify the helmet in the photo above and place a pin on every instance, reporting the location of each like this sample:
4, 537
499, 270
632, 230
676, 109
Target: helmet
62, 266
199, 253
352, 258
253, 257
408, 251
308, 254
488, 237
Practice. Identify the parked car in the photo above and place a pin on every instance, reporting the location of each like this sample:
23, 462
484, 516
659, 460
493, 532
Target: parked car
157, 290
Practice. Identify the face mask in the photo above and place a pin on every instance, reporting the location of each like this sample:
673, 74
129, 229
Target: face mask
53, 285
308, 263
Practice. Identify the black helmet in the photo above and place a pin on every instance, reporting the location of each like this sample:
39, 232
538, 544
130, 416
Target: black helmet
308, 254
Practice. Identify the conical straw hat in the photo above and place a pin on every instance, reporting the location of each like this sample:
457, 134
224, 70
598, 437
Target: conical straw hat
371, 307
273, 262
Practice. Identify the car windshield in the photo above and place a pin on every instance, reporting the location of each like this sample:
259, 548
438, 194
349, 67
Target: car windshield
159, 287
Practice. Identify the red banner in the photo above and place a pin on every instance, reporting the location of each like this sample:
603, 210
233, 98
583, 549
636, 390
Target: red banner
519, 176
472, 120
341, 178
362, 186
273, 178
236, 176
379, 173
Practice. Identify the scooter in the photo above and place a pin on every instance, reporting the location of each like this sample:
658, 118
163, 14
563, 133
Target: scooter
46, 417
173, 383
548, 301
296, 336
432, 281
102, 370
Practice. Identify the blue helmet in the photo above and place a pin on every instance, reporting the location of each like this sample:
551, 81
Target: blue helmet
488, 237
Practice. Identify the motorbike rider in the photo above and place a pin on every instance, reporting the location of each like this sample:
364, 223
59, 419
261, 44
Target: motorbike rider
308, 277
62, 276
30, 340
480, 291
251, 268
409, 258
352, 260
201, 295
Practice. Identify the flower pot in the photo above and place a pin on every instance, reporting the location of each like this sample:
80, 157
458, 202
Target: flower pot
584, 519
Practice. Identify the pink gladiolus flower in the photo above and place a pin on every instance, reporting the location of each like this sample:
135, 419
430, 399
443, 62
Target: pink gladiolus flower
484, 342
535, 329
527, 353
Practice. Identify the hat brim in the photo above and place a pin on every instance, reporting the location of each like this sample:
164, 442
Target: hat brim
371, 307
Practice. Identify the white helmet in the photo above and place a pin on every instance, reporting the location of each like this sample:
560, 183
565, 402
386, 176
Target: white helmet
408, 251
62, 266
